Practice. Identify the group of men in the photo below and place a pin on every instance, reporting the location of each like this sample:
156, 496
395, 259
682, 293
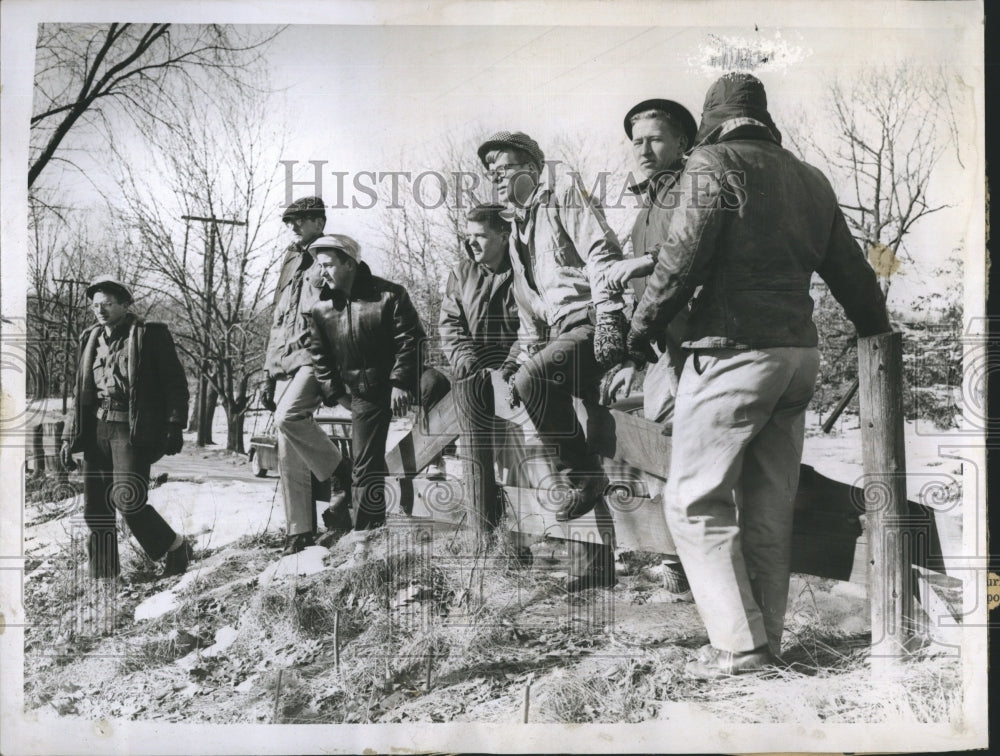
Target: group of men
732, 228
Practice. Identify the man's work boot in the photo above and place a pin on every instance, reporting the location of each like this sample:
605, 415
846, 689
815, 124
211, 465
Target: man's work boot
296, 543
178, 559
711, 663
579, 502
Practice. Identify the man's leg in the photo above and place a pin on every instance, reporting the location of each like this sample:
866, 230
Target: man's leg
369, 428
303, 449
725, 399
770, 481
98, 513
129, 494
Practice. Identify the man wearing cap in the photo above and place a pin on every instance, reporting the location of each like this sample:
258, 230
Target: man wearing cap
130, 406
660, 131
366, 342
571, 321
751, 225
291, 390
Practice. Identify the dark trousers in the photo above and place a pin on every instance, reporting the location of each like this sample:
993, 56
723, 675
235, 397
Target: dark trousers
369, 430
116, 477
547, 383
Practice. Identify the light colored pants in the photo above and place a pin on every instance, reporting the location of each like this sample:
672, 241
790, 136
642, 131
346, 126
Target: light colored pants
658, 392
737, 444
303, 448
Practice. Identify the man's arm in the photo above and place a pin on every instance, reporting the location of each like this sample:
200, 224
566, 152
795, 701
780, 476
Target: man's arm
683, 258
456, 336
170, 371
852, 281
583, 220
325, 367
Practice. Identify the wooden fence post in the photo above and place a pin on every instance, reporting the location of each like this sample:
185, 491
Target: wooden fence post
890, 582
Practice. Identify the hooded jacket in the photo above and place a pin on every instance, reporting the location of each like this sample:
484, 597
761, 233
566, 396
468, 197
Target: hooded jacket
158, 390
366, 342
479, 321
750, 226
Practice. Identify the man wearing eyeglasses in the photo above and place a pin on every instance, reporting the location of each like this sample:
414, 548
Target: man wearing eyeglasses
291, 391
571, 322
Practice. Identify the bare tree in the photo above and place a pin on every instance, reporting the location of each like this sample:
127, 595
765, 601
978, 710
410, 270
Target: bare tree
891, 127
84, 71
206, 248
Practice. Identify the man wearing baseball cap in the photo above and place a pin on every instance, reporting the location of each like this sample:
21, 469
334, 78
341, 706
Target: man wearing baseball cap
571, 322
130, 406
291, 390
366, 348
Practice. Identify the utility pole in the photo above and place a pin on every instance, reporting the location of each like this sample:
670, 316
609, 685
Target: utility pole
205, 409
68, 349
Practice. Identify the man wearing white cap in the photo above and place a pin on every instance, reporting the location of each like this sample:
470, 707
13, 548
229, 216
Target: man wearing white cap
366, 341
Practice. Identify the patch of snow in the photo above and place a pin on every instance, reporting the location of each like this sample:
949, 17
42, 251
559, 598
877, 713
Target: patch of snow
156, 605
224, 638
309, 561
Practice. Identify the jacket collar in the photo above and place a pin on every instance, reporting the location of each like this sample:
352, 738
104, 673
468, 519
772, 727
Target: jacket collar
650, 186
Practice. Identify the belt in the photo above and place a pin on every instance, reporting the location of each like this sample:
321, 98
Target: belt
112, 404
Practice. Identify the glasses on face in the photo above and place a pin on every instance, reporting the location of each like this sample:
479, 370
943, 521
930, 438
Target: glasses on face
500, 172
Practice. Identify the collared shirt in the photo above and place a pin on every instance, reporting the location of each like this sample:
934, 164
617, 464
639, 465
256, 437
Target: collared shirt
111, 369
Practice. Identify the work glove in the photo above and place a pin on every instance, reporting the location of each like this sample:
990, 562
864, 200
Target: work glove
175, 439
513, 396
267, 395
639, 350
609, 338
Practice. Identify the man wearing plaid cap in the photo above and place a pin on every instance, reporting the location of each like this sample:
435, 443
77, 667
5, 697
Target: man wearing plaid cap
291, 391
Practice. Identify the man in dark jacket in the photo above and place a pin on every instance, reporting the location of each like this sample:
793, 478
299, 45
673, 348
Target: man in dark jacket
130, 406
291, 391
751, 225
367, 340
478, 328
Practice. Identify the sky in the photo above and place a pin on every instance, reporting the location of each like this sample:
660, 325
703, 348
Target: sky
366, 97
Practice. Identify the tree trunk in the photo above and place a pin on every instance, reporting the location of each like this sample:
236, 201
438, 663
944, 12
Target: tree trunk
234, 431
195, 417
207, 415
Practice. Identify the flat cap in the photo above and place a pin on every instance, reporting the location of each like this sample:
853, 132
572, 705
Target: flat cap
345, 244
109, 285
304, 206
516, 140
683, 117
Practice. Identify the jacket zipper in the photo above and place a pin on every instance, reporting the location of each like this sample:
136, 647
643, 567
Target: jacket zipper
354, 343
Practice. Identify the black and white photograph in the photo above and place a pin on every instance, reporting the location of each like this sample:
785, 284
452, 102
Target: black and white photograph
493, 377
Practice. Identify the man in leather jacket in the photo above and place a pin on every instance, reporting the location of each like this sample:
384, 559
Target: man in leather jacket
130, 406
750, 226
290, 390
366, 347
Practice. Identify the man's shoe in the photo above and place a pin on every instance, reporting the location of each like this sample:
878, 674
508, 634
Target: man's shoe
435, 472
337, 516
295, 543
178, 559
711, 663
601, 579
578, 503
675, 582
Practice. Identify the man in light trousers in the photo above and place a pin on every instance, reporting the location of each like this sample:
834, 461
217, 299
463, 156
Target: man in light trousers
751, 225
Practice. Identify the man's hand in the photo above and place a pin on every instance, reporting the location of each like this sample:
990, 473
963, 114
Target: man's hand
638, 348
621, 272
401, 401
66, 456
513, 397
175, 439
267, 395
621, 381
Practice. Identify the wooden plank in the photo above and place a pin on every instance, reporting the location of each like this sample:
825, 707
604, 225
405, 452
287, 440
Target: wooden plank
428, 437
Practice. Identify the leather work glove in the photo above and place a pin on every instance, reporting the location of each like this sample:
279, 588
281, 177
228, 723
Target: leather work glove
639, 349
175, 439
267, 395
401, 400
513, 397
609, 338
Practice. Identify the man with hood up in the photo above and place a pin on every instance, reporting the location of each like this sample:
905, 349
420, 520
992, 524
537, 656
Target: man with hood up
750, 226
